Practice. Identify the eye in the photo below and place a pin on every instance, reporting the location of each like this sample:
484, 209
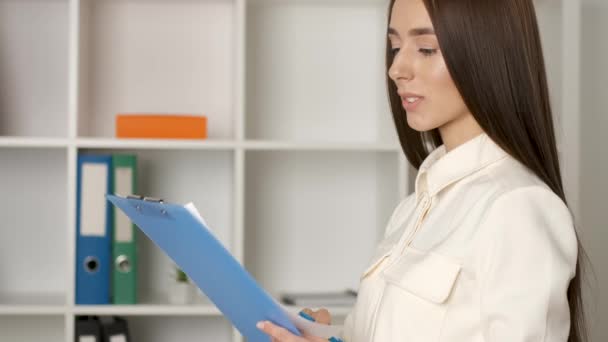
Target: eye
394, 52
427, 52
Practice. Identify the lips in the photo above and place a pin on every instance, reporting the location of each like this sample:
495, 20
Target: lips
410, 100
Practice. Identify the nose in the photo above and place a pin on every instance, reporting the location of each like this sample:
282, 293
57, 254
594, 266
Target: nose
400, 69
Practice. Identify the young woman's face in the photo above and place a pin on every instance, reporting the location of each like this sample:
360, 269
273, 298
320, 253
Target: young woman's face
427, 91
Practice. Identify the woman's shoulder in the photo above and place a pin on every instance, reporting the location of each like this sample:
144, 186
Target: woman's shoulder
514, 191
511, 179
523, 205
510, 174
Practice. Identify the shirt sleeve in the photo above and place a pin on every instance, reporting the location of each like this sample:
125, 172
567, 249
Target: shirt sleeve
525, 265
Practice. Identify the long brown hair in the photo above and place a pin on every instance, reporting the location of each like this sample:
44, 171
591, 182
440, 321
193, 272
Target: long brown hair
492, 50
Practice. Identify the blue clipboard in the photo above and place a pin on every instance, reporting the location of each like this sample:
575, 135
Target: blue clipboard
206, 261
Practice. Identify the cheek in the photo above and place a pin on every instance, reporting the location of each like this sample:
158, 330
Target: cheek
445, 94
444, 102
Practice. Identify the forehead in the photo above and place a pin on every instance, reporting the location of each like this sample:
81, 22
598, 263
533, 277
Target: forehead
407, 14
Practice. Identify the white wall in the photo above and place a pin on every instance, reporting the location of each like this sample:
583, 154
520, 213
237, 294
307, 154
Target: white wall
594, 159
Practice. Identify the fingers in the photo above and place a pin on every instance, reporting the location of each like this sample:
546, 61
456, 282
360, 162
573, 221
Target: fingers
308, 311
320, 316
277, 333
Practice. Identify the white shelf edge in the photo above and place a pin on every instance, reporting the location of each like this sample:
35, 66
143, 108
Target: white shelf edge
176, 144
133, 310
147, 310
248, 145
32, 310
33, 142
313, 2
268, 145
164, 144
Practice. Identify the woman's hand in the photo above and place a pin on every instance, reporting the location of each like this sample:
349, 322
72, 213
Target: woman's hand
320, 316
279, 334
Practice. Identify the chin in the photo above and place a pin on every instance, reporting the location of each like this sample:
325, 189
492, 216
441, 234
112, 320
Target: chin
417, 123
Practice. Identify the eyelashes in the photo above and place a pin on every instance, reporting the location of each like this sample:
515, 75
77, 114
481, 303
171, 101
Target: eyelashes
425, 52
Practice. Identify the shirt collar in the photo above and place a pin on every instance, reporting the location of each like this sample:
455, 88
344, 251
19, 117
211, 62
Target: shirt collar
441, 169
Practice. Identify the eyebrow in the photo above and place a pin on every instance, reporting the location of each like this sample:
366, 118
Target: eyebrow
419, 31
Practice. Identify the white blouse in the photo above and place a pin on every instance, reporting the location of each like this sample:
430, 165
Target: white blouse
482, 251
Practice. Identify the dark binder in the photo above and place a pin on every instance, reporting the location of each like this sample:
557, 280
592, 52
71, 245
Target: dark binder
114, 329
88, 329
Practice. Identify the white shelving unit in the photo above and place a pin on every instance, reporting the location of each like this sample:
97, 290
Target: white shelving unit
299, 175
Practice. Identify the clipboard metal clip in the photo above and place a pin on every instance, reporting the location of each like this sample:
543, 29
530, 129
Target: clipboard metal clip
159, 201
146, 198
139, 207
136, 197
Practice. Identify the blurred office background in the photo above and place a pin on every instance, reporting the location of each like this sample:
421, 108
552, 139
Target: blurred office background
594, 157
300, 145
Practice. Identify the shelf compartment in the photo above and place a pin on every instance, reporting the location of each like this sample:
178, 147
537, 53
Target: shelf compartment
34, 68
156, 56
33, 328
204, 178
15, 304
185, 329
161, 328
33, 233
313, 219
300, 75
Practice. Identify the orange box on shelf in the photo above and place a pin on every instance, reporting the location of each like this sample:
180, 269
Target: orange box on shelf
161, 126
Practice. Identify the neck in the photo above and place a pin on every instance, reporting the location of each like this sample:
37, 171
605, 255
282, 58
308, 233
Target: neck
459, 131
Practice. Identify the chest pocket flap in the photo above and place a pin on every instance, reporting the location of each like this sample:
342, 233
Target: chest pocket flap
426, 274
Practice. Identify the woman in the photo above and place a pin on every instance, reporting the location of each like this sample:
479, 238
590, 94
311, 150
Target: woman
485, 249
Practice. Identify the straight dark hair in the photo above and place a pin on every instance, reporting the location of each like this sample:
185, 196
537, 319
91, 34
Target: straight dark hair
492, 50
